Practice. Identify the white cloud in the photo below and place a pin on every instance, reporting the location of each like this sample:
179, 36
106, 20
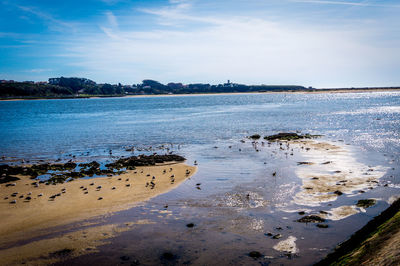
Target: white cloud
243, 49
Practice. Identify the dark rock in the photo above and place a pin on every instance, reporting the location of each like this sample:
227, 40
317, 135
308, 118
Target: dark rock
289, 136
190, 225
255, 254
7, 179
338, 192
311, 219
255, 136
124, 258
366, 203
322, 225
304, 163
168, 256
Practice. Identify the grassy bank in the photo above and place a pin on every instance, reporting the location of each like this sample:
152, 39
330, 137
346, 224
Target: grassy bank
377, 243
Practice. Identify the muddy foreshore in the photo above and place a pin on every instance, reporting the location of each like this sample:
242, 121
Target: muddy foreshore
328, 176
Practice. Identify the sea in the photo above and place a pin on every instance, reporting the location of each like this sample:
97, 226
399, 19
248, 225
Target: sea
246, 200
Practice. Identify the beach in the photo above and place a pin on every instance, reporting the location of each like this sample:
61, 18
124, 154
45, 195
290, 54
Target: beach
248, 201
80, 200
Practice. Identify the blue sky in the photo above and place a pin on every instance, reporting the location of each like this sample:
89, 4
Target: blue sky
316, 43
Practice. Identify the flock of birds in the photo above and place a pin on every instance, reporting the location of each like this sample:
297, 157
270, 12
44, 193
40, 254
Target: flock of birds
151, 184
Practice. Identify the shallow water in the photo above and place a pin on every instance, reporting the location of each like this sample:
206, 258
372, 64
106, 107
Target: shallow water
239, 200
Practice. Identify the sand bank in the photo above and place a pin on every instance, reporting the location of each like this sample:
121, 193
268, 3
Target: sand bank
331, 171
80, 199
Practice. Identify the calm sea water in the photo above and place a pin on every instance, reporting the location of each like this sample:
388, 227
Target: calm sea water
46, 128
209, 129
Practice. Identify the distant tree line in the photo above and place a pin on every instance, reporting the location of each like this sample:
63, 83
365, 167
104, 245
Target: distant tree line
72, 87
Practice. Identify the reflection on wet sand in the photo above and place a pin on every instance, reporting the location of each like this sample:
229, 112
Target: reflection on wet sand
333, 172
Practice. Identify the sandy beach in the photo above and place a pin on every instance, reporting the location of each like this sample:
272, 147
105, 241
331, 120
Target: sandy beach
80, 199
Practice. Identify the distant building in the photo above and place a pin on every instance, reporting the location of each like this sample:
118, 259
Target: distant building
229, 84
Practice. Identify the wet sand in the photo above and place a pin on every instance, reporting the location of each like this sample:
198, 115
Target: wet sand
330, 171
80, 199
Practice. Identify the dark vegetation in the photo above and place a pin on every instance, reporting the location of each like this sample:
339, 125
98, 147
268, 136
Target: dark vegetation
61, 172
81, 87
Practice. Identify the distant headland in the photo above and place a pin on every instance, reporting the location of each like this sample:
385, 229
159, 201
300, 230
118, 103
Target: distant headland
73, 87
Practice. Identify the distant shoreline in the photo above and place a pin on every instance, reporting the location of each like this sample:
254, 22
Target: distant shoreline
314, 91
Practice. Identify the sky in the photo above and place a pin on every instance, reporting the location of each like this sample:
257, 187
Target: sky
319, 43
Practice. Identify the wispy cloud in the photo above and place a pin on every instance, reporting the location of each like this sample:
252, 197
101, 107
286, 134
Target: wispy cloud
171, 14
39, 70
346, 3
112, 19
52, 22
